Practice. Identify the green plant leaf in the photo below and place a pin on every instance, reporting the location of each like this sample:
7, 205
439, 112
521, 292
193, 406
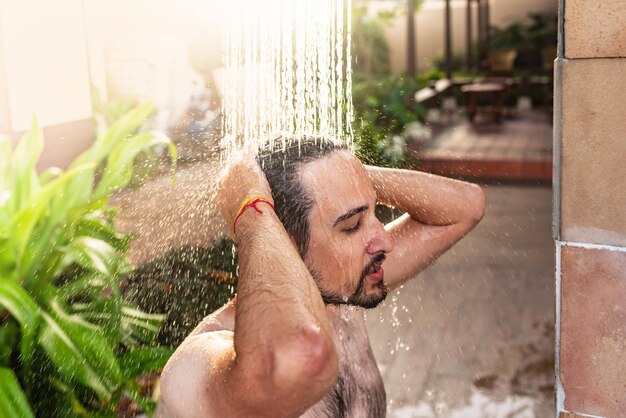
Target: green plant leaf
80, 189
25, 311
79, 351
25, 182
95, 225
50, 174
7, 253
122, 129
9, 339
43, 255
134, 393
67, 403
143, 360
95, 254
147, 404
23, 222
140, 326
85, 285
98, 256
13, 402
119, 168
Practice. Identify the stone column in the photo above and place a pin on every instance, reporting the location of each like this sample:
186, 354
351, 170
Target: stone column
590, 209
468, 36
448, 39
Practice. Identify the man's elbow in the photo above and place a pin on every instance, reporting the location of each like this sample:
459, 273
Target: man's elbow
310, 357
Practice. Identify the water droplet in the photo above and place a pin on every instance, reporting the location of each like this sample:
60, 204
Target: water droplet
345, 314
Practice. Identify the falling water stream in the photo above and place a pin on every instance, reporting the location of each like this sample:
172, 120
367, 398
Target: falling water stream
287, 71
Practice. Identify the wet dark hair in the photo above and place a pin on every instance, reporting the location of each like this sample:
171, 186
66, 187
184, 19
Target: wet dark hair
281, 163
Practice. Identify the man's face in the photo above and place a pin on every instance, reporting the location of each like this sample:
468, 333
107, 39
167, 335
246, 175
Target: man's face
347, 242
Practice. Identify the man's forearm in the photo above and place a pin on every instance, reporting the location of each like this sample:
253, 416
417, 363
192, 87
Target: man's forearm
278, 304
429, 199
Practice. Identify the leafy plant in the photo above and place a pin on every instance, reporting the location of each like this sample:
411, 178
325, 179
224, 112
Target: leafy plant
383, 109
528, 38
371, 52
512, 36
438, 63
68, 340
542, 30
105, 113
185, 285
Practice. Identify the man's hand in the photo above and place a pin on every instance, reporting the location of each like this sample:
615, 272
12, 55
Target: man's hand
241, 179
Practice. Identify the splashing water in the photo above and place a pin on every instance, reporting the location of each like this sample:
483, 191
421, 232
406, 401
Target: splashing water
479, 405
345, 314
287, 71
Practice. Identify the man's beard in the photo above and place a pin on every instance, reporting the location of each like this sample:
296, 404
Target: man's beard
359, 297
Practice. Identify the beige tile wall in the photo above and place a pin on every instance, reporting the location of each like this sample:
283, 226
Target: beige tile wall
64, 142
593, 144
595, 28
590, 209
593, 331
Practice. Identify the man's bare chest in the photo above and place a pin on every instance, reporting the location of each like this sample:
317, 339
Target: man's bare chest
359, 390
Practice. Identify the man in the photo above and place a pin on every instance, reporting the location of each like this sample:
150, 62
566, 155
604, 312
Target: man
285, 347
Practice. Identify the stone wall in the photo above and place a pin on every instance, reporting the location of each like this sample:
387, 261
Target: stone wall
590, 209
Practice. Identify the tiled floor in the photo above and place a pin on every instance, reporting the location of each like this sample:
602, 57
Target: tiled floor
519, 148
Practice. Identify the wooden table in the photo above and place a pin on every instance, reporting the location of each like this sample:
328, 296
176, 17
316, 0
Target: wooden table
495, 91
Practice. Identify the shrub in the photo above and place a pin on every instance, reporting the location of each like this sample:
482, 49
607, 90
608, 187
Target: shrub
529, 38
383, 109
69, 344
184, 285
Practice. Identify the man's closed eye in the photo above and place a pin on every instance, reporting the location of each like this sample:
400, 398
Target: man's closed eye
352, 229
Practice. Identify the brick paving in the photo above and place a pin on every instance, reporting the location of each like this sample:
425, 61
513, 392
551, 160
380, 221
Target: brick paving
519, 148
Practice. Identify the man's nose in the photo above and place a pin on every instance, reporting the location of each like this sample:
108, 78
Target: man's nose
379, 240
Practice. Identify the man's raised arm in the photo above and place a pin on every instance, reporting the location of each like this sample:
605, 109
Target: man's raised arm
281, 358
439, 212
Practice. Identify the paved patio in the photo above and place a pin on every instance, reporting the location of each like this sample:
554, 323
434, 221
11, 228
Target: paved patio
518, 148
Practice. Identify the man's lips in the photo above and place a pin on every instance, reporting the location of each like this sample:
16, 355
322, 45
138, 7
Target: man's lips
374, 271
377, 274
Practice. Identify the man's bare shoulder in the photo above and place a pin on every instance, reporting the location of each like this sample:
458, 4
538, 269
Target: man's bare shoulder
199, 362
222, 319
202, 358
